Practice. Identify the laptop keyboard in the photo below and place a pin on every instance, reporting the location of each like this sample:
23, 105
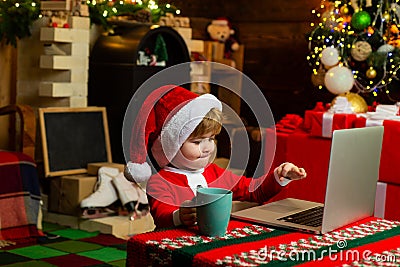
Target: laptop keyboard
310, 217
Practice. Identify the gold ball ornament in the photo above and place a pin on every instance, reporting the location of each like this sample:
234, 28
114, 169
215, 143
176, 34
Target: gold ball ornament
371, 73
361, 50
386, 16
344, 10
357, 102
318, 78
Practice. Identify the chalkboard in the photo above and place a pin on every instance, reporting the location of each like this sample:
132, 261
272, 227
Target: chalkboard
72, 138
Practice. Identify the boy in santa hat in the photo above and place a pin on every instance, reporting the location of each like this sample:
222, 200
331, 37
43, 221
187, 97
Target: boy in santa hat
174, 132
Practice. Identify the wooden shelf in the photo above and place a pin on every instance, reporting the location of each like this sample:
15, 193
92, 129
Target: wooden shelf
64, 35
62, 62
51, 89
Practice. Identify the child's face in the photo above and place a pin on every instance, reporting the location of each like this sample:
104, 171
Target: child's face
198, 151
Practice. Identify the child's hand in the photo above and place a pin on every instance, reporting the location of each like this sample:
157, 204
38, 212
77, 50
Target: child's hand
187, 214
290, 171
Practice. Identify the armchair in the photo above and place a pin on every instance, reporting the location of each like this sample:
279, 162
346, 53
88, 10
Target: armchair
19, 183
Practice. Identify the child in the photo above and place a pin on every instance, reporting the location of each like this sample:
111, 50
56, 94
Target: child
179, 130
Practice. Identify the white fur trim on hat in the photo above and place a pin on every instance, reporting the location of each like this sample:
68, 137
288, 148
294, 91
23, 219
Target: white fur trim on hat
220, 22
139, 172
184, 122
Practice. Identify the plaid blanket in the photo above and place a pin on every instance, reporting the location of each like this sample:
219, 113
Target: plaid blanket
19, 197
369, 242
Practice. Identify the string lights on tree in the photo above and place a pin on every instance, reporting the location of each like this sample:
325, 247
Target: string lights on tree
355, 46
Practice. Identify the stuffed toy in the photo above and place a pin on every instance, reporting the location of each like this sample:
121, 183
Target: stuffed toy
221, 31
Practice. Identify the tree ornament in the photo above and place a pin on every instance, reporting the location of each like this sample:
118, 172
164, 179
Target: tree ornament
360, 20
361, 50
357, 102
339, 80
330, 56
386, 16
371, 73
344, 10
317, 79
386, 48
329, 18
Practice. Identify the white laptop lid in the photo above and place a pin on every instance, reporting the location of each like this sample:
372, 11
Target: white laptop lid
351, 184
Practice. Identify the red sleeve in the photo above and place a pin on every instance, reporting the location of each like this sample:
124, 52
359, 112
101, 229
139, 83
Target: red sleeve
165, 193
162, 213
240, 185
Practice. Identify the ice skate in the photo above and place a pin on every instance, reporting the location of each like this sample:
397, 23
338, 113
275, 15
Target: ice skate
53, 49
142, 208
129, 195
95, 205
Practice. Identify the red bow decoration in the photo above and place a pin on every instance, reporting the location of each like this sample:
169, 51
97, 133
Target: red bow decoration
289, 123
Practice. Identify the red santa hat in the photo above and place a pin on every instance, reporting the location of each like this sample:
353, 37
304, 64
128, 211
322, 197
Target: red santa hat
221, 21
166, 119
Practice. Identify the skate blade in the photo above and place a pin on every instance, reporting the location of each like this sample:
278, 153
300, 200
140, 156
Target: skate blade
94, 213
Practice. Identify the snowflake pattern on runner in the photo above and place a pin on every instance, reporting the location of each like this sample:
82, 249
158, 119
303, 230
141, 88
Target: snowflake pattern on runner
304, 249
161, 251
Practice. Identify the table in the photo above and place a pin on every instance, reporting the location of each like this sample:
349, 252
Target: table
371, 241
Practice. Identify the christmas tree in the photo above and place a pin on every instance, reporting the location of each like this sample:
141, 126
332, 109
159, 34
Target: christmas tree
354, 47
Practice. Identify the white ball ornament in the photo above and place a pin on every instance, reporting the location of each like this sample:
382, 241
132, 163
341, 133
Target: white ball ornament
339, 80
361, 50
330, 56
386, 48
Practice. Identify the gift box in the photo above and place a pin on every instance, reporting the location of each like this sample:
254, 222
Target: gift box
323, 124
386, 201
390, 155
67, 192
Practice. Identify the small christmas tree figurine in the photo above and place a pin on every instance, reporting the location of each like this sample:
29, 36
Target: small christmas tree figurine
361, 36
160, 51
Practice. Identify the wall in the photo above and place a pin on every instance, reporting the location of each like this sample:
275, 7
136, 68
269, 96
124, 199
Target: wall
273, 33
7, 87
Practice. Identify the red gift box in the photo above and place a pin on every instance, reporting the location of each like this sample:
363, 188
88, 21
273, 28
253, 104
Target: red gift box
324, 123
390, 156
386, 201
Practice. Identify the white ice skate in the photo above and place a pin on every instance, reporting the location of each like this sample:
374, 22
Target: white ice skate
130, 196
95, 205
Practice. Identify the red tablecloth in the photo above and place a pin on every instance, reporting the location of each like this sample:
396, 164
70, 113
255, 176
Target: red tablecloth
371, 241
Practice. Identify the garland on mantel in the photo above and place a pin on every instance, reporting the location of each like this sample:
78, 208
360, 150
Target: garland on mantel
17, 16
16, 19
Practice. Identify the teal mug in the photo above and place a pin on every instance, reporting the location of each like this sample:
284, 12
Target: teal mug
214, 207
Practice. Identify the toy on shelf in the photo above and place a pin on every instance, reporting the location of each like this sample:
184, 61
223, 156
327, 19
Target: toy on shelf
171, 21
59, 19
59, 11
220, 31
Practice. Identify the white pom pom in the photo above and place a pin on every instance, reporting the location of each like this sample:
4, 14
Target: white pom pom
140, 172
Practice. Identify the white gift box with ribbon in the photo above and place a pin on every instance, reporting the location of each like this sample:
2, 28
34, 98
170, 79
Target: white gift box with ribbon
341, 106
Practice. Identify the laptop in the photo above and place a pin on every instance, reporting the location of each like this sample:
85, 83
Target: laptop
350, 190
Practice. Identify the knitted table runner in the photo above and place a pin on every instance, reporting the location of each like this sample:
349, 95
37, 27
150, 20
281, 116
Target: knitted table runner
369, 242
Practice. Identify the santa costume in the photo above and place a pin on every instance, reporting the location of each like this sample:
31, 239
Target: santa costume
166, 119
